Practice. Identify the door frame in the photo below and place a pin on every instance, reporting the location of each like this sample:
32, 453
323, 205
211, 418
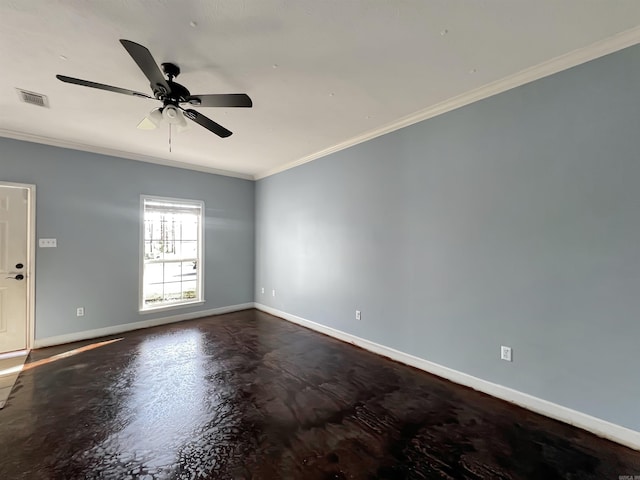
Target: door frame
31, 258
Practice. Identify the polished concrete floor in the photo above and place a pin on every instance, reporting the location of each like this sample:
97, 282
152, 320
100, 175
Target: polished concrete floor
250, 396
10, 367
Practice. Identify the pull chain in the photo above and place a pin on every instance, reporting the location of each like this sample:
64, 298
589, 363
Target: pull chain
169, 138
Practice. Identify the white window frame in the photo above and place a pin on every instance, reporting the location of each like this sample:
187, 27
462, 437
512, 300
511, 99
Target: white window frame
142, 308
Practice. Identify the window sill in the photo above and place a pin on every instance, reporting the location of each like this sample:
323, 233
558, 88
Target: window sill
172, 306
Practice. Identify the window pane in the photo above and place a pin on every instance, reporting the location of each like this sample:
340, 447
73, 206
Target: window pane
189, 270
153, 294
189, 249
172, 272
171, 250
148, 229
189, 290
172, 291
153, 273
148, 251
156, 250
190, 228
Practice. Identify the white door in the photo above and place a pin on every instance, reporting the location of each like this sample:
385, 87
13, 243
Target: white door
14, 208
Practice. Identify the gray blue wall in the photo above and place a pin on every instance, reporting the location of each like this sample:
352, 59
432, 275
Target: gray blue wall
91, 204
513, 221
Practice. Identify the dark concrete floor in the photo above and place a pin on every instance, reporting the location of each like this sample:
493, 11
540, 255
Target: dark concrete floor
250, 396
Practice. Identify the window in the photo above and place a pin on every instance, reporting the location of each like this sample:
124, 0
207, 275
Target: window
171, 267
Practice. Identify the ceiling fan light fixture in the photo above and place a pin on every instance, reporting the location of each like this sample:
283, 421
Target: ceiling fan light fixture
172, 115
183, 127
151, 121
155, 116
169, 113
182, 124
146, 124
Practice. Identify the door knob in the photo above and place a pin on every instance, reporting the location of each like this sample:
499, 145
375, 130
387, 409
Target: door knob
17, 277
19, 266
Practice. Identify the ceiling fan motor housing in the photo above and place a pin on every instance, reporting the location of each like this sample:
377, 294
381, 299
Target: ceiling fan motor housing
177, 93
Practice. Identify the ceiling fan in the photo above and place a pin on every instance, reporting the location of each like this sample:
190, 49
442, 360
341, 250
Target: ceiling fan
171, 94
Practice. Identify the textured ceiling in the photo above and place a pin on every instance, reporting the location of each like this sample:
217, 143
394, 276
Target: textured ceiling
320, 73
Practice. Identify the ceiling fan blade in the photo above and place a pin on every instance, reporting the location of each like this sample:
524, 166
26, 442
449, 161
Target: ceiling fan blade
101, 86
206, 123
142, 56
221, 100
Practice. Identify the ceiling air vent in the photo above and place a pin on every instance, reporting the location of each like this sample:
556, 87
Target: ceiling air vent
33, 98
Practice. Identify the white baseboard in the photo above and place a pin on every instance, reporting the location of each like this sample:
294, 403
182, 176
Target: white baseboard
126, 327
602, 428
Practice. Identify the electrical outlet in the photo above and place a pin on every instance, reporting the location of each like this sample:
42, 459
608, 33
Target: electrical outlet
505, 353
358, 315
262, 290
273, 293
80, 312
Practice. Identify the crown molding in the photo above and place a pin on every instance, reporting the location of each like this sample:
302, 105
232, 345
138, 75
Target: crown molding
571, 59
54, 142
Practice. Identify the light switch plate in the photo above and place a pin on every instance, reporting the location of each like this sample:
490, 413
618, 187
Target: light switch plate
47, 243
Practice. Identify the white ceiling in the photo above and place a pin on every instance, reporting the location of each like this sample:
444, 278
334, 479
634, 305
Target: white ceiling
322, 74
